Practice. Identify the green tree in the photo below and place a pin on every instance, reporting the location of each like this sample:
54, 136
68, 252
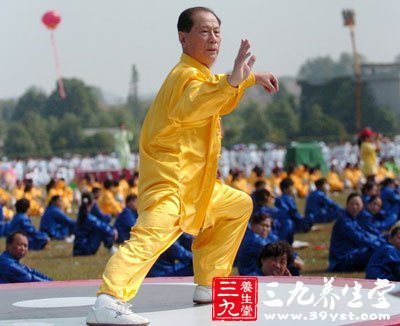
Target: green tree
18, 142
39, 134
68, 135
320, 126
283, 118
33, 100
101, 141
80, 100
256, 127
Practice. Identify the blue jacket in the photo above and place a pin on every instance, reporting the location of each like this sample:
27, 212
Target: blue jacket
391, 201
321, 208
283, 226
287, 203
348, 237
89, 234
54, 220
175, 261
124, 222
3, 223
12, 271
249, 252
384, 264
21, 222
99, 214
375, 223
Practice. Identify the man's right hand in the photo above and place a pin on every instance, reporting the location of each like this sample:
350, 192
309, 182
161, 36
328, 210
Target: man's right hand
242, 68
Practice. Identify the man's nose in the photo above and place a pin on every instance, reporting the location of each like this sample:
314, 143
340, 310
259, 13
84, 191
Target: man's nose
213, 37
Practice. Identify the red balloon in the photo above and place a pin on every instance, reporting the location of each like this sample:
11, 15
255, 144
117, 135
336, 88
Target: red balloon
51, 19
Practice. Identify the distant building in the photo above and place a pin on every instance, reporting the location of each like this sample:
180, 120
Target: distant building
384, 83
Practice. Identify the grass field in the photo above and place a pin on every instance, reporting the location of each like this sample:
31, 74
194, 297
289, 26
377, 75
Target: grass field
57, 261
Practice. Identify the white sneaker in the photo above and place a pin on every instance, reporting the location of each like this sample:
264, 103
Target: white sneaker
202, 294
300, 244
115, 313
70, 239
112, 250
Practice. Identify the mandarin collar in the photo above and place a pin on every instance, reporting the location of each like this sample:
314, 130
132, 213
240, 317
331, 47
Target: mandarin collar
194, 63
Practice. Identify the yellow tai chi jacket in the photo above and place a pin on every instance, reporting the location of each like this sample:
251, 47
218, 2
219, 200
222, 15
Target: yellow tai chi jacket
180, 141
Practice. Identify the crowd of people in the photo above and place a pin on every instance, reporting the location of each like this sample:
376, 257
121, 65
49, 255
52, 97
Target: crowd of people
364, 231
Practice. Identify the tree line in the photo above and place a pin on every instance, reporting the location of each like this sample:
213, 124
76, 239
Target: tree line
41, 125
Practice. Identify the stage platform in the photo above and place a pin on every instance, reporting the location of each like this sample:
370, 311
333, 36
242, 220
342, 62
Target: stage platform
168, 302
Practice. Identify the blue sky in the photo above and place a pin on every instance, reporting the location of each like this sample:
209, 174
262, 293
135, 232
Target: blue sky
99, 40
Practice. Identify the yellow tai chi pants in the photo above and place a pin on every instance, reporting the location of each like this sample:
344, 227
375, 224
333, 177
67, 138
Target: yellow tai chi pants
214, 249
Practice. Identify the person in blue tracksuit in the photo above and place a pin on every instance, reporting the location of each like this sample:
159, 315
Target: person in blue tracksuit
369, 189
21, 222
287, 203
275, 259
175, 261
96, 211
390, 198
126, 219
385, 261
319, 207
55, 222
3, 223
282, 225
11, 269
90, 231
257, 235
373, 218
351, 245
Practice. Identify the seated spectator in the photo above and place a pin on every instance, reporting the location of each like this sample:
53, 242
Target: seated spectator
275, 259
352, 176
107, 202
257, 235
33, 195
96, 211
319, 207
282, 225
12, 271
373, 218
126, 219
3, 223
385, 261
351, 245
239, 181
175, 261
286, 202
299, 177
91, 231
334, 181
55, 222
369, 189
21, 222
133, 184
390, 198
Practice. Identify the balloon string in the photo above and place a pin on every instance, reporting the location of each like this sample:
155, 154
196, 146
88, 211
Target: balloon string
61, 90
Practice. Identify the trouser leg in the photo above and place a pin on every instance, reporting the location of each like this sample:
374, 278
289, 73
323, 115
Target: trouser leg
215, 248
154, 231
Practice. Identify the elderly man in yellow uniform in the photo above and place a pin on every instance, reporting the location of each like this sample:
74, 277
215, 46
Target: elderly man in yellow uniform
178, 190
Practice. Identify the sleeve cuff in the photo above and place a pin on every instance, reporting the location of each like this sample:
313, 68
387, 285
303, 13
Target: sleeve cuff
229, 89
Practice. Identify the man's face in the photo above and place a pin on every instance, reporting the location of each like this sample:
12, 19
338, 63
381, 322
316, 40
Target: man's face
395, 241
354, 206
19, 247
263, 229
132, 204
375, 206
274, 266
203, 41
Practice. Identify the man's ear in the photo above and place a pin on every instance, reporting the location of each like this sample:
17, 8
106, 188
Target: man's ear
182, 39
